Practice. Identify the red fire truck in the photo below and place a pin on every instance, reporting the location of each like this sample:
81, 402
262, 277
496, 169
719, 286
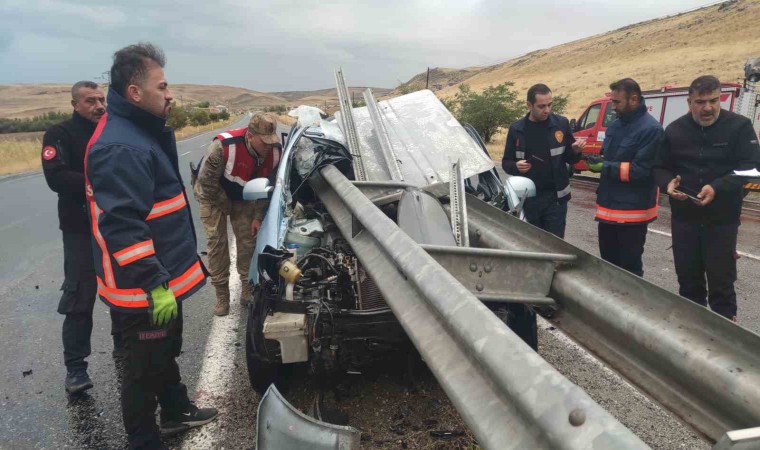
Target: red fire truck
665, 105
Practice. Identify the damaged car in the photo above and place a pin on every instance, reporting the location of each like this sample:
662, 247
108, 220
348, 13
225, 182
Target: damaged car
313, 303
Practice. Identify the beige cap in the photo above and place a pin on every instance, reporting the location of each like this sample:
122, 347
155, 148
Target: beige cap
265, 125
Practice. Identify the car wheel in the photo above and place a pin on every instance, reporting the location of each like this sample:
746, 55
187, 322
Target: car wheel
261, 371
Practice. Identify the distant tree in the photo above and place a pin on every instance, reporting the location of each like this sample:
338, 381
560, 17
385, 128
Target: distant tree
559, 104
204, 104
178, 117
200, 117
214, 117
36, 123
496, 107
224, 115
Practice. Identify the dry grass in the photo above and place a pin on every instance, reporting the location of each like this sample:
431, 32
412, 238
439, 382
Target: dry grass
20, 152
20, 155
193, 130
670, 50
496, 147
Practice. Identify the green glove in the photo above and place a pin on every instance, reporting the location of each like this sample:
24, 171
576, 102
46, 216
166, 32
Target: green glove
596, 168
163, 305
594, 162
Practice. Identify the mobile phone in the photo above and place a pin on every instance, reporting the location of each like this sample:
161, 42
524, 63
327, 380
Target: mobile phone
693, 198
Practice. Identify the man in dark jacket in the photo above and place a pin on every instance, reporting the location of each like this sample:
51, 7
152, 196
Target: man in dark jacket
695, 166
63, 148
627, 195
541, 146
144, 243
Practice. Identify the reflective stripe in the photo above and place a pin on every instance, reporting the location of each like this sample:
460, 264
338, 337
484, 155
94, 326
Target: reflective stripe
134, 252
187, 280
127, 298
231, 151
557, 151
625, 172
95, 212
167, 206
225, 135
625, 216
563, 192
520, 155
137, 298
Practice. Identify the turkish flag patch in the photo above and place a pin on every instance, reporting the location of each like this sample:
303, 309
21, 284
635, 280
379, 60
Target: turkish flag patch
48, 152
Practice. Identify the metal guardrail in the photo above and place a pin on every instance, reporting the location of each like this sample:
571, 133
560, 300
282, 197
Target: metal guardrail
348, 127
701, 366
506, 393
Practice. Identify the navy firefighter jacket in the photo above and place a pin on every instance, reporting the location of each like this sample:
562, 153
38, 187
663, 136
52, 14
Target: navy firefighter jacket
143, 233
627, 193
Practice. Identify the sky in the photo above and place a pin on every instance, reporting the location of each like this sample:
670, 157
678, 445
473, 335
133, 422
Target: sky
291, 45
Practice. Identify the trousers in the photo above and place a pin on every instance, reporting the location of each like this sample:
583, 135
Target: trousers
214, 221
78, 300
623, 245
705, 260
545, 211
151, 376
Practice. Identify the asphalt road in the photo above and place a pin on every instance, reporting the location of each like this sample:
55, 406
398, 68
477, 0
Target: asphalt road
37, 414
34, 409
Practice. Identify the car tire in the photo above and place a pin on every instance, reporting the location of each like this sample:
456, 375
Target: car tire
261, 372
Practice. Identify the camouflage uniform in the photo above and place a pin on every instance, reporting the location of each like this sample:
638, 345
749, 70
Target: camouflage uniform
215, 207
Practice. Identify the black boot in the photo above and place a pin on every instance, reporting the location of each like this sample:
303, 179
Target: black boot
77, 381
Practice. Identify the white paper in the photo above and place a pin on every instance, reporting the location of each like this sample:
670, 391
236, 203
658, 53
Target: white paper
747, 173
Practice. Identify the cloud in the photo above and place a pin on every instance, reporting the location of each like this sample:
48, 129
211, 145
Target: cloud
293, 45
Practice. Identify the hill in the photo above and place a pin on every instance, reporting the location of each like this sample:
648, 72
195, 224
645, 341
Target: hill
716, 39
28, 100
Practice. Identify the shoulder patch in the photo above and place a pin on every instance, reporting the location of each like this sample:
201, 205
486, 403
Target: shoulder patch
558, 135
49, 152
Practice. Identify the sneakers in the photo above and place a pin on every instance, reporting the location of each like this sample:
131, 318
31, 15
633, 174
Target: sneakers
77, 381
193, 417
222, 307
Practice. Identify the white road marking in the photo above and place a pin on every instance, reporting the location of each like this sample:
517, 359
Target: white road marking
744, 254
186, 153
218, 364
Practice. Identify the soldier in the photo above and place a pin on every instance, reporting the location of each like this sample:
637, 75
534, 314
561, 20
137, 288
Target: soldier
63, 148
232, 159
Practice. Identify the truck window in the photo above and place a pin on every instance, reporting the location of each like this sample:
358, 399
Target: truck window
591, 116
609, 115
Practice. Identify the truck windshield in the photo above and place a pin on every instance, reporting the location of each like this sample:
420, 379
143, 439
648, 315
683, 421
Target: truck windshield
591, 116
609, 116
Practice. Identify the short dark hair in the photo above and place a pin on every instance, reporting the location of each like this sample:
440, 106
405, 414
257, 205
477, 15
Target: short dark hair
129, 65
627, 85
706, 84
537, 89
82, 84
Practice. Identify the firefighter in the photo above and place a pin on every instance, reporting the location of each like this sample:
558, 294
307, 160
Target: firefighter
695, 165
63, 148
627, 195
232, 159
541, 146
145, 244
